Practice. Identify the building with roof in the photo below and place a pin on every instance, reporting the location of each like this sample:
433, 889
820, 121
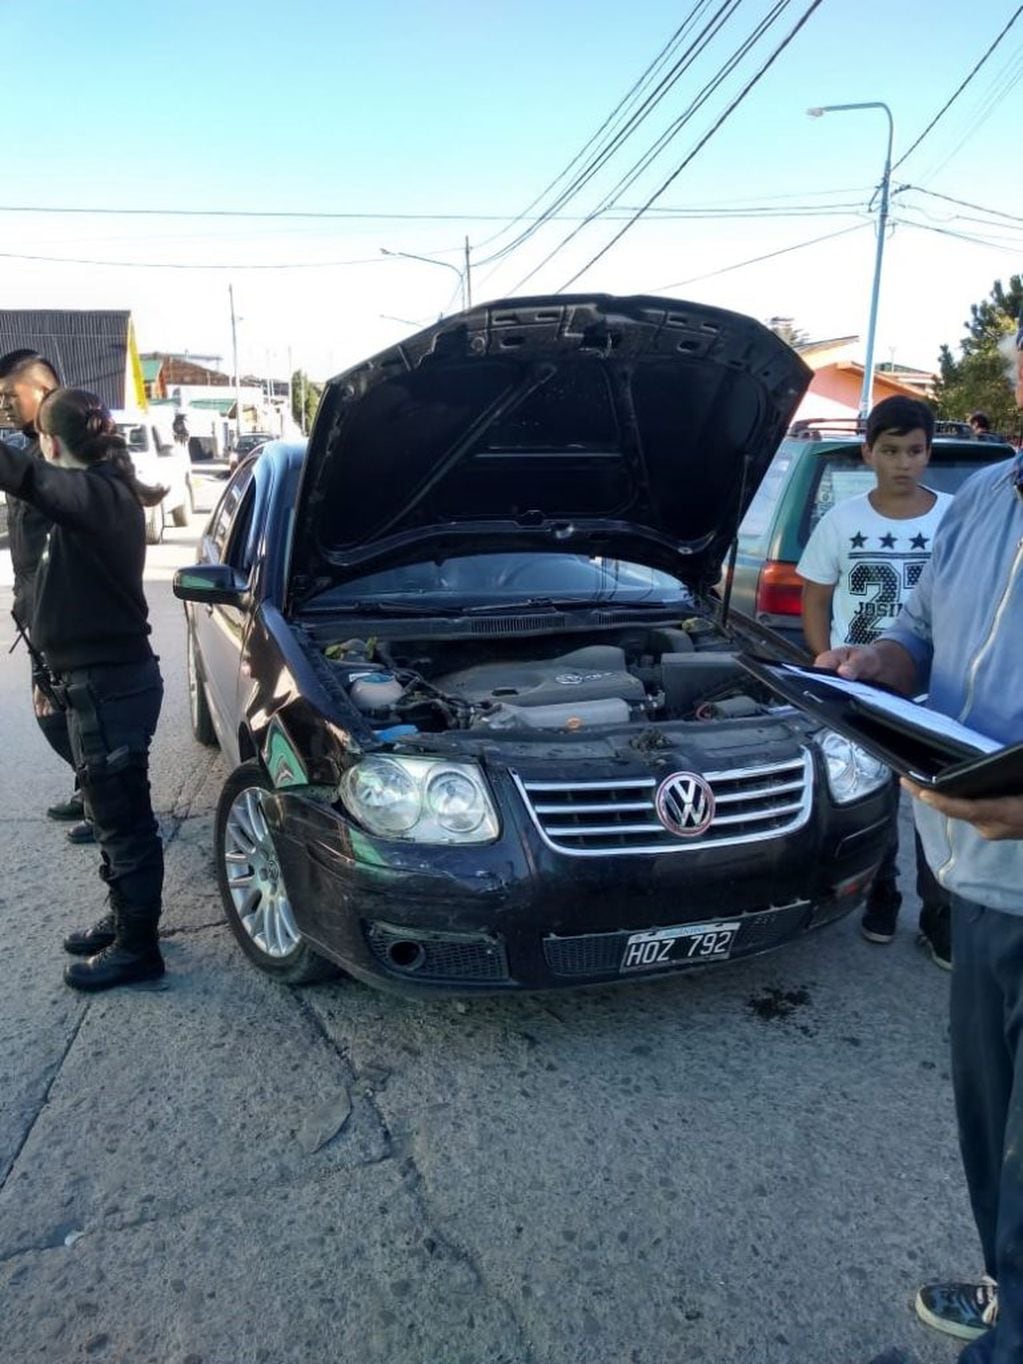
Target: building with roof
89, 349
838, 379
152, 378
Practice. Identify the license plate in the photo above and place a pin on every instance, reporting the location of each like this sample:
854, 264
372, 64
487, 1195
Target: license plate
692, 943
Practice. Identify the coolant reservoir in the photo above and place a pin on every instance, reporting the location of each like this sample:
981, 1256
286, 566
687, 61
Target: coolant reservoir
375, 693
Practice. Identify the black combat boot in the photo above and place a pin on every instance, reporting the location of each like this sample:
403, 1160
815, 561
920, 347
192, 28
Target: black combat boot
133, 956
86, 942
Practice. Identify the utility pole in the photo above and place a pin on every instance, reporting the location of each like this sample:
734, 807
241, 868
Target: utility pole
867, 391
467, 291
291, 404
234, 361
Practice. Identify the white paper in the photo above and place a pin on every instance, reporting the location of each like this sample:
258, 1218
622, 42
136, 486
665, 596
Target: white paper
883, 703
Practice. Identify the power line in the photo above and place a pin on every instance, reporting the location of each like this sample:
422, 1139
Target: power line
962, 203
959, 89
596, 163
1010, 77
186, 265
960, 236
694, 215
755, 260
662, 56
729, 110
670, 133
51, 209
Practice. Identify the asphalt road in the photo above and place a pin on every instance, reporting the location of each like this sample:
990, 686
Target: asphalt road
755, 1165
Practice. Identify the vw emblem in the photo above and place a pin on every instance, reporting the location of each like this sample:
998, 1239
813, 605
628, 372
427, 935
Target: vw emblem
685, 804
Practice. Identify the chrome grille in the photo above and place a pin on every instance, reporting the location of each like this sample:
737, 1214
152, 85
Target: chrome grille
617, 818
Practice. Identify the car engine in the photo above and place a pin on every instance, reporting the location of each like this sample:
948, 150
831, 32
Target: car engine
640, 677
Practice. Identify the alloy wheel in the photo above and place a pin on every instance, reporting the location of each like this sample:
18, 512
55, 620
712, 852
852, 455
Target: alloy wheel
255, 879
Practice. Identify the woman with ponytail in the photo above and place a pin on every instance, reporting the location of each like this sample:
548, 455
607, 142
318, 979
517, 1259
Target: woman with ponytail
90, 623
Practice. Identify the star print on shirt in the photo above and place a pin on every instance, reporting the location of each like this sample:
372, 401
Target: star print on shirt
919, 541
858, 540
887, 541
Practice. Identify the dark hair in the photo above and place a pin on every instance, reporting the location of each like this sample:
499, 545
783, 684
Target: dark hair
980, 419
18, 362
83, 424
899, 416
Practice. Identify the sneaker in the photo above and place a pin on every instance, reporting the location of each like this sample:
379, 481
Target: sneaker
964, 1310
878, 922
66, 810
81, 833
936, 934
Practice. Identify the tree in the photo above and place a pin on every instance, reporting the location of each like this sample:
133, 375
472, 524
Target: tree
980, 378
305, 399
787, 330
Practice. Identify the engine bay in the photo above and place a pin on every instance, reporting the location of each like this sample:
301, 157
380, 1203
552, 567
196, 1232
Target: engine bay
613, 677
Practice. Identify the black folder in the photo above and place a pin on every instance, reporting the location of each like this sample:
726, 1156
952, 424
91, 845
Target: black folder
944, 762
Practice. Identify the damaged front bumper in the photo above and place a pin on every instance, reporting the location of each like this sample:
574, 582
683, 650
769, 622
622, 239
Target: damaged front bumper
522, 914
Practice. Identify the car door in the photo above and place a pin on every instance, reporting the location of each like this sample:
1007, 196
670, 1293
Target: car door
220, 630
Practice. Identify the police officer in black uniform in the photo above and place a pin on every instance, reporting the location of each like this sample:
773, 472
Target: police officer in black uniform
89, 622
25, 379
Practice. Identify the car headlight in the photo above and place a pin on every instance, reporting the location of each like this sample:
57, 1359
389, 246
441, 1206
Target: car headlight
852, 772
420, 799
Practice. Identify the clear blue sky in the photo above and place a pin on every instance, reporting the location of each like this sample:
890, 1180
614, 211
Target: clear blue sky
471, 109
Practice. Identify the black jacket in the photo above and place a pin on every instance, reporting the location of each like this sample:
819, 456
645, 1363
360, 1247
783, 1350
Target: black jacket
88, 605
27, 529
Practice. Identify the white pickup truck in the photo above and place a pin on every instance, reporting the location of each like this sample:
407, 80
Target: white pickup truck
162, 461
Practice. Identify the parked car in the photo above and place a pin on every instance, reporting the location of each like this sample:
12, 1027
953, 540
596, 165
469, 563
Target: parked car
247, 445
464, 659
160, 460
817, 465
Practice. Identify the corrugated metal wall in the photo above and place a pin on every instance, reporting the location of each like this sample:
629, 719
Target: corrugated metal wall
89, 349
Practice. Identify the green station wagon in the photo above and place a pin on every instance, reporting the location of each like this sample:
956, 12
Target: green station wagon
817, 465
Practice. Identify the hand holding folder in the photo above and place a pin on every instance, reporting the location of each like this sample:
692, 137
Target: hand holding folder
932, 750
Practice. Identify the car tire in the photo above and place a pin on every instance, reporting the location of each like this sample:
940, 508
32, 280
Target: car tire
198, 705
252, 888
154, 524
180, 515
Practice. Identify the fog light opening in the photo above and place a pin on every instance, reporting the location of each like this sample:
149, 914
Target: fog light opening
406, 954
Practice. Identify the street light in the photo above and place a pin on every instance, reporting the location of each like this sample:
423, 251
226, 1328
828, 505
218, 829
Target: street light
464, 276
234, 361
866, 393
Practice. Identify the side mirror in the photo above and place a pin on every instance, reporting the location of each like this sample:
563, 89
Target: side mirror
214, 584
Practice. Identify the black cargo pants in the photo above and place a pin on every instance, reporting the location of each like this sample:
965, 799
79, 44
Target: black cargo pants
987, 1072
112, 712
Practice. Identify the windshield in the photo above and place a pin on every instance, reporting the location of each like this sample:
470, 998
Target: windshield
134, 435
845, 475
490, 579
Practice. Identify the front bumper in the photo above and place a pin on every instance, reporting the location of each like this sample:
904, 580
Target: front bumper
519, 915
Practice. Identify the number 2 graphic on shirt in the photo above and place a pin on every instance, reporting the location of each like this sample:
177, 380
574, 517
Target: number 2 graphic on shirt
882, 582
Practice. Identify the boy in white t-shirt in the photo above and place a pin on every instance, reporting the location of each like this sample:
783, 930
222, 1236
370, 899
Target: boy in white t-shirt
860, 565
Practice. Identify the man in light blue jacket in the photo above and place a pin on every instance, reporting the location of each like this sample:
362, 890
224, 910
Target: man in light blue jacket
960, 638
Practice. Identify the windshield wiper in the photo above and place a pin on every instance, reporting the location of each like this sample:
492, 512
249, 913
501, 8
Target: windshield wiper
568, 604
384, 608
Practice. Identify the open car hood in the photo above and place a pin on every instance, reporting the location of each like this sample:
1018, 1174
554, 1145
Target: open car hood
634, 428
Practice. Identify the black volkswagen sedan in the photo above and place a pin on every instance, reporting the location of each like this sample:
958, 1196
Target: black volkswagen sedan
466, 660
